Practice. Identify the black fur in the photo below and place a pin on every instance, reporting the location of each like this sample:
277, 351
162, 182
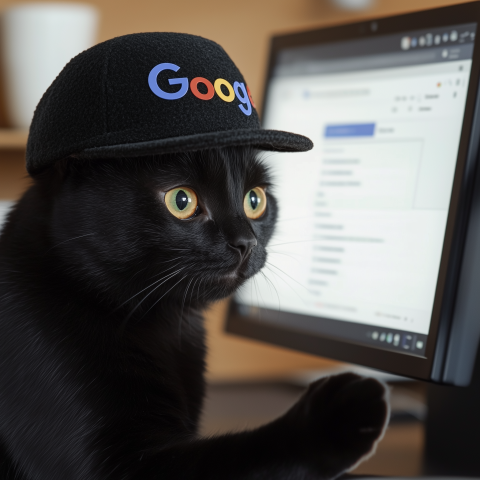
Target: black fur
101, 337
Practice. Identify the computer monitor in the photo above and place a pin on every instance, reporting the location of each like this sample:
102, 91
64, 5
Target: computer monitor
376, 256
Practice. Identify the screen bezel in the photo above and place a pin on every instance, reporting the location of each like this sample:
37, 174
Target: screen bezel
429, 367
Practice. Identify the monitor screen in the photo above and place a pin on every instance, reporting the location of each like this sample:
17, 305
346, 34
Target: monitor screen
363, 216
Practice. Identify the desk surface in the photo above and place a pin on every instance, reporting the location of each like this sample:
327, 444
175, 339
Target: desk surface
240, 406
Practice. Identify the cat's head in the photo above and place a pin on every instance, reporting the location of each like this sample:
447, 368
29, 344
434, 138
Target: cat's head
189, 227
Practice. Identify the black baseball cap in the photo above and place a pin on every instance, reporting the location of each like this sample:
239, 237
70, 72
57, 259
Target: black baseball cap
144, 94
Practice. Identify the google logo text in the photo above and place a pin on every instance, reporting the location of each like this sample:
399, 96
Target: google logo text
238, 90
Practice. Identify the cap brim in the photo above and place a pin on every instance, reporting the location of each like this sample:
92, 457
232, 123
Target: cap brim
270, 140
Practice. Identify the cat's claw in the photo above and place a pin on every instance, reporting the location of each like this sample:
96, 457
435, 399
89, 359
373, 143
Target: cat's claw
338, 422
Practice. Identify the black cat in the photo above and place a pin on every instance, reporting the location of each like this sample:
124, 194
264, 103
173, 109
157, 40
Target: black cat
105, 267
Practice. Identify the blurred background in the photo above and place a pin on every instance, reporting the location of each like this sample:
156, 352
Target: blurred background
249, 382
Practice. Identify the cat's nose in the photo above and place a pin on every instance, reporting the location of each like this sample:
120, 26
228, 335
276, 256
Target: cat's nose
244, 244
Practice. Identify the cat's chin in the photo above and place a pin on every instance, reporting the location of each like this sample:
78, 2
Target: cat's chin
232, 281
231, 276
227, 284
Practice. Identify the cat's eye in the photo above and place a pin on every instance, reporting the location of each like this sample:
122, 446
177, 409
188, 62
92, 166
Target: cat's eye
255, 203
181, 202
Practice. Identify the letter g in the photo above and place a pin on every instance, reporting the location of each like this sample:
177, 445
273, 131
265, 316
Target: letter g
242, 95
152, 82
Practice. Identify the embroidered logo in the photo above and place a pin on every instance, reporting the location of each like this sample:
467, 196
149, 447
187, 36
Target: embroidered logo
239, 90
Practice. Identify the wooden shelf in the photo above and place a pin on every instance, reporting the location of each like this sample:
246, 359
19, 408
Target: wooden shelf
11, 138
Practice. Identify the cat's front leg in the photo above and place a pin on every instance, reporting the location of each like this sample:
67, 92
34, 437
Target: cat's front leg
338, 422
333, 426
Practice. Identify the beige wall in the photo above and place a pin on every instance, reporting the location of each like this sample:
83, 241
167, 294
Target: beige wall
244, 29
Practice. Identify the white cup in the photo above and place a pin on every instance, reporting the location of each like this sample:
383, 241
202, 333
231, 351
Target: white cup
37, 41
354, 4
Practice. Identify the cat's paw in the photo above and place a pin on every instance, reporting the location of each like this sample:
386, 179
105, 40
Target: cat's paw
339, 421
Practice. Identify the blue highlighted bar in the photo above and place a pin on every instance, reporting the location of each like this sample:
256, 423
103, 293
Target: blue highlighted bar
355, 130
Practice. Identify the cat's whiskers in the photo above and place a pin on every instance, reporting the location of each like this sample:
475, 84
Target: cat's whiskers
183, 305
191, 297
284, 281
178, 264
165, 279
193, 288
273, 286
171, 260
291, 278
206, 293
162, 280
149, 286
146, 267
198, 288
69, 240
283, 253
290, 243
256, 290
171, 288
